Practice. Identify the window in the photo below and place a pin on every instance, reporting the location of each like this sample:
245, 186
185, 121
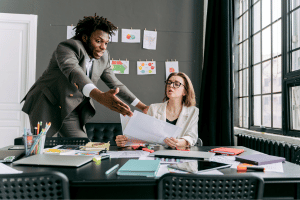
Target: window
267, 65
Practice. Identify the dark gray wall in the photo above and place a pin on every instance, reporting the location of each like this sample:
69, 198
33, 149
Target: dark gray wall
179, 24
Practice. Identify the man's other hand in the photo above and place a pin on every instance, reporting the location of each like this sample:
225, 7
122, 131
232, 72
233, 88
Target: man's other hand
111, 101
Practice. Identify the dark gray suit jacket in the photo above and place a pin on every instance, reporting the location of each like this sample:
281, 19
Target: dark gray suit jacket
54, 95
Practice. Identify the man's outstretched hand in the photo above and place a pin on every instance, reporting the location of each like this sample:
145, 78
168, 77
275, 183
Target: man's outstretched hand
111, 101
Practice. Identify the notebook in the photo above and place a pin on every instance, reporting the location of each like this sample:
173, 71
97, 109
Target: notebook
259, 159
55, 160
199, 155
227, 151
133, 167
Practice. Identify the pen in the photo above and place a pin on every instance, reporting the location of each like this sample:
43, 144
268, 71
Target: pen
260, 169
112, 169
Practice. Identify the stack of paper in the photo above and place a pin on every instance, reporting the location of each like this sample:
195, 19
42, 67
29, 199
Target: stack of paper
147, 168
149, 129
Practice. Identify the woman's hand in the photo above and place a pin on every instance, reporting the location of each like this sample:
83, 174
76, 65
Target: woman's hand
173, 142
121, 140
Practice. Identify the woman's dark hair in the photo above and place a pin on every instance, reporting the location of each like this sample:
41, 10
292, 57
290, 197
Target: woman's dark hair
92, 23
189, 99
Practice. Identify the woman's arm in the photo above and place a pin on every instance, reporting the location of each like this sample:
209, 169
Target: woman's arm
191, 133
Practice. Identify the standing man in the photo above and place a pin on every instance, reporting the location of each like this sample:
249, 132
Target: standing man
62, 95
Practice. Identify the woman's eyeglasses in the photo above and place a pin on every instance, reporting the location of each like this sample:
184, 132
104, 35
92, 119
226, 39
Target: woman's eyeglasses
176, 84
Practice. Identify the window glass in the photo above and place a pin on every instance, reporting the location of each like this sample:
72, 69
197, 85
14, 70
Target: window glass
256, 48
256, 18
277, 119
276, 9
245, 26
266, 43
241, 83
241, 112
294, 4
241, 29
245, 112
277, 74
267, 110
266, 77
245, 82
240, 56
295, 60
276, 42
245, 54
257, 111
257, 79
295, 34
266, 12
295, 107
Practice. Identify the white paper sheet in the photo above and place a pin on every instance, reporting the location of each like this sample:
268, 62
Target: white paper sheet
124, 121
4, 169
70, 32
171, 67
120, 66
150, 38
131, 35
146, 67
114, 36
150, 129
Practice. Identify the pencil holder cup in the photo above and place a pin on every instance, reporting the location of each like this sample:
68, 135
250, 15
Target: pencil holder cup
34, 144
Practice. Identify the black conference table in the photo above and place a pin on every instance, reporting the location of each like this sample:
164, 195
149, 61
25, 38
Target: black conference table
89, 181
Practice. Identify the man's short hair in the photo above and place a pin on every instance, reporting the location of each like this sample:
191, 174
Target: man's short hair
92, 23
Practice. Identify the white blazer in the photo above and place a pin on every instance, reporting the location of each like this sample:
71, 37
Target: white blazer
187, 120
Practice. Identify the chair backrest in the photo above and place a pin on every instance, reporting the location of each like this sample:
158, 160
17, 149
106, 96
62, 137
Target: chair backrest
40, 185
199, 142
189, 186
103, 132
54, 141
296, 158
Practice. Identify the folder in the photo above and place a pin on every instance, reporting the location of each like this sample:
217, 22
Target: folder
259, 159
133, 167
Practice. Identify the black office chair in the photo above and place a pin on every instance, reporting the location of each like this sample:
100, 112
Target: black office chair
296, 158
199, 143
41, 185
190, 186
54, 141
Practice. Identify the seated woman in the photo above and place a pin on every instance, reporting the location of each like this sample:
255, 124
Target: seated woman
178, 109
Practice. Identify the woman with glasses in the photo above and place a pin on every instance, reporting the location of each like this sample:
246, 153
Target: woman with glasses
178, 109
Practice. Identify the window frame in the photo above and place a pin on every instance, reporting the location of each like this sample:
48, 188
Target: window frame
288, 78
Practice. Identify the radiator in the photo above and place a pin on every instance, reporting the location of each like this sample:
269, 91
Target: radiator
267, 146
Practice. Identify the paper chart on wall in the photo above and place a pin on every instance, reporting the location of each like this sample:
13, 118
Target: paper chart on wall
70, 32
171, 67
150, 38
131, 35
120, 66
146, 67
114, 36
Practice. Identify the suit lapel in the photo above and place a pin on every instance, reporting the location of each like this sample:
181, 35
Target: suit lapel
182, 117
161, 113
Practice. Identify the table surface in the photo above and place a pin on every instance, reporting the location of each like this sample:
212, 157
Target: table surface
92, 174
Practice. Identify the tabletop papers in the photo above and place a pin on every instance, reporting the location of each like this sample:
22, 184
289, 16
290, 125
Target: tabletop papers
150, 129
4, 169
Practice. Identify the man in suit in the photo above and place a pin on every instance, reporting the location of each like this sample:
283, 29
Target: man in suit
62, 95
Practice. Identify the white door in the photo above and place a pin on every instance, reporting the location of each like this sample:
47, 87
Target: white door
17, 72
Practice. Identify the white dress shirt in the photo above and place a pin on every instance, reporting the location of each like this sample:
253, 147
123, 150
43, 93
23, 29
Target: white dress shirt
89, 87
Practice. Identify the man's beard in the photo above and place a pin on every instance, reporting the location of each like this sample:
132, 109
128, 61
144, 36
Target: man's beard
88, 47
